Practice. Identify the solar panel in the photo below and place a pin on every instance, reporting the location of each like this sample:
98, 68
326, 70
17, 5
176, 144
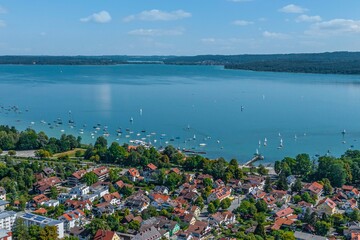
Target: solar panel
28, 215
39, 219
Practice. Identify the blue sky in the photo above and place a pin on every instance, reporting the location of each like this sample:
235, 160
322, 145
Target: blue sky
177, 27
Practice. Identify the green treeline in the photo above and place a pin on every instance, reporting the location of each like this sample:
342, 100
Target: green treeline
12, 139
325, 63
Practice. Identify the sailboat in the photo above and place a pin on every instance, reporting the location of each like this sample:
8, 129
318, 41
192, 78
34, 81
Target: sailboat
281, 144
140, 111
265, 142
194, 137
131, 119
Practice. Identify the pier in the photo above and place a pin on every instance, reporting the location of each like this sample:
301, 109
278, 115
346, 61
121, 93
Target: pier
257, 157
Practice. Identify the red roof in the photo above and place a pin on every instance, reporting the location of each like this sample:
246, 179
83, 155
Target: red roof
347, 188
41, 211
79, 174
315, 187
160, 196
284, 212
104, 235
134, 172
110, 196
101, 171
40, 198
176, 170
47, 183
328, 202
152, 166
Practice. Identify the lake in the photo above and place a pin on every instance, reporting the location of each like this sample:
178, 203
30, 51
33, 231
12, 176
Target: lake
228, 112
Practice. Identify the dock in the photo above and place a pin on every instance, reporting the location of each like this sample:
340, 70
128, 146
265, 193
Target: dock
257, 157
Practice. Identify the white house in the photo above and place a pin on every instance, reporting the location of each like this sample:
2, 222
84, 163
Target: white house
80, 190
33, 219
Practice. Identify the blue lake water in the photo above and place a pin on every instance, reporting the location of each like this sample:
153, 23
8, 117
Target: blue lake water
208, 99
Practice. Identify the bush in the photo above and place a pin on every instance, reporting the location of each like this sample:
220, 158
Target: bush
11, 152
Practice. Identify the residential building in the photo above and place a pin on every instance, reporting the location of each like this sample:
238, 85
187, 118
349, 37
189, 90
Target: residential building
150, 233
33, 219
220, 194
327, 206
133, 174
106, 235
72, 219
199, 230
39, 199
5, 234
102, 173
315, 189
112, 198
43, 186
7, 220
81, 233
80, 190
51, 203
3, 205
2, 194
76, 177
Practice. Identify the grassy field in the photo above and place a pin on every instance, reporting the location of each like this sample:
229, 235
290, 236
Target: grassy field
70, 153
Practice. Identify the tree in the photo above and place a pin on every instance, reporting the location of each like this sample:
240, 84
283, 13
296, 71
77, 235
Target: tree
225, 204
48, 233
355, 215
211, 208
261, 206
302, 165
34, 231
200, 202
207, 182
267, 186
322, 227
307, 198
135, 225
262, 170
327, 186
282, 183
277, 167
283, 235
114, 174
173, 180
97, 224
260, 230
11, 152
20, 231
90, 178
307, 215
54, 192
42, 154
297, 185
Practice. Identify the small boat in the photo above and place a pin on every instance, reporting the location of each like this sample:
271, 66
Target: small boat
131, 119
62, 130
218, 141
32, 123
242, 108
343, 132
202, 144
343, 142
194, 137
295, 137
259, 142
265, 142
138, 134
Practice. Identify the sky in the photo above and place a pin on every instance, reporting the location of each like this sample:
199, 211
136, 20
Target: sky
177, 27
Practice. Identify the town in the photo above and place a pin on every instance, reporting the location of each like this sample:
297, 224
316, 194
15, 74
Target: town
133, 192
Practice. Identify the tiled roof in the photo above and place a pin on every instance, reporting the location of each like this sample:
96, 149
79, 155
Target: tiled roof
284, 212
314, 187
79, 174
101, 171
40, 198
133, 172
152, 166
104, 235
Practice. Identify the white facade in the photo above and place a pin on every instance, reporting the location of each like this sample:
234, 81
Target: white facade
33, 219
80, 190
7, 220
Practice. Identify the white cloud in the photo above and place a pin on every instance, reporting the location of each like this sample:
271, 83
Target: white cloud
2, 24
3, 10
156, 32
335, 27
100, 17
292, 8
242, 23
306, 18
275, 35
158, 15
208, 40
